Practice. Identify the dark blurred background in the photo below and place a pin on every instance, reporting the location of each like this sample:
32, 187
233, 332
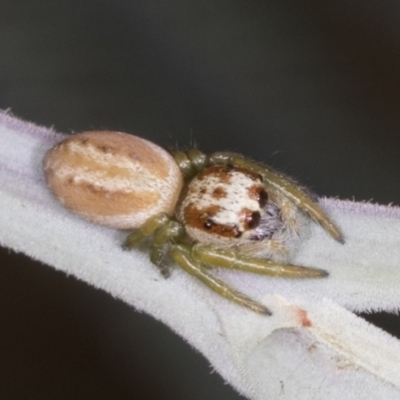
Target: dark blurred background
311, 87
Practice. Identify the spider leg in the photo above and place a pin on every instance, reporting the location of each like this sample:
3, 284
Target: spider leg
181, 254
163, 229
148, 229
191, 162
279, 181
170, 231
234, 260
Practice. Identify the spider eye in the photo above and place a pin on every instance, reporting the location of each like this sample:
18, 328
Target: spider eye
208, 224
238, 234
263, 198
253, 220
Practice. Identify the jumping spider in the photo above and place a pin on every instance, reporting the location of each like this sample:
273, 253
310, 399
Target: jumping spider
221, 210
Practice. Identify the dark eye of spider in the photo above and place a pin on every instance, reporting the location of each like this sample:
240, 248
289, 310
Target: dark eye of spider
263, 198
208, 224
254, 220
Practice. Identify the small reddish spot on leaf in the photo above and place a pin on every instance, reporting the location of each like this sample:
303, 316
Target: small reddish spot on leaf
304, 320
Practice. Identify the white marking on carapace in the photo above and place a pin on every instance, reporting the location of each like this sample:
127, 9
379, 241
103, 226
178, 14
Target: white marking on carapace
231, 205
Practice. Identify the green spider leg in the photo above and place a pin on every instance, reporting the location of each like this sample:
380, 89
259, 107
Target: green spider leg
216, 257
181, 254
163, 230
197, 259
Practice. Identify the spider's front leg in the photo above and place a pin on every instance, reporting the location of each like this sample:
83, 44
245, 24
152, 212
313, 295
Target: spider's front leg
182, 255
190, 162
164, 230
283, 184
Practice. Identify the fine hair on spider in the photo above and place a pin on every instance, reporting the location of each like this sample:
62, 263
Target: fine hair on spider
220, 210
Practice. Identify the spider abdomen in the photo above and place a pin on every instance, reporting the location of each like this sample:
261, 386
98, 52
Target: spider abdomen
113, 178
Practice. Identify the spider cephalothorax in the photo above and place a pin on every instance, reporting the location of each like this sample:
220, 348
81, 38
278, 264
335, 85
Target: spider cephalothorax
229, 207
220, 210
223, 201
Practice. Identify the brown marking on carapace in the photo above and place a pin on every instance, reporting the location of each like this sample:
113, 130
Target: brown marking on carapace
304, 320
203, 219
221, 172
219, 193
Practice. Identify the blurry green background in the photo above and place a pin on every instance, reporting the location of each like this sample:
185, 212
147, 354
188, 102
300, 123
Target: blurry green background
311, 88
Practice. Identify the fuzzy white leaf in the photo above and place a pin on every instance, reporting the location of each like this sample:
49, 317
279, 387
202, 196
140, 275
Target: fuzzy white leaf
312, 346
